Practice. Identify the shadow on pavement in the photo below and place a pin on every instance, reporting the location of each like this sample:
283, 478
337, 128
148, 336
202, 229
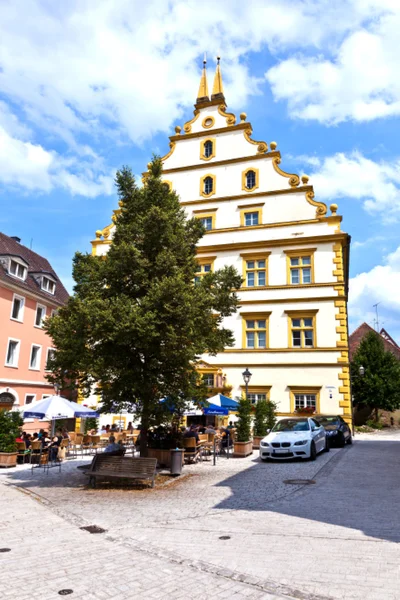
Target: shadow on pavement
359, 489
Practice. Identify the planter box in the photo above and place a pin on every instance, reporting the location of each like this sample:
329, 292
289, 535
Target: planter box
163, 456
242, 449
256, 441
8, 459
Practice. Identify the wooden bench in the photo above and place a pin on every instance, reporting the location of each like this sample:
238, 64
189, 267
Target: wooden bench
107, 466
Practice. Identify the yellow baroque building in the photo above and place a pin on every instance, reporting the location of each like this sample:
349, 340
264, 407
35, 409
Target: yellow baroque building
291, 328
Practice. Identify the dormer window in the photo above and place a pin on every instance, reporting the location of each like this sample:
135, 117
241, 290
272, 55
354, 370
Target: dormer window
48, 285
17, 269
250, 180
208, 148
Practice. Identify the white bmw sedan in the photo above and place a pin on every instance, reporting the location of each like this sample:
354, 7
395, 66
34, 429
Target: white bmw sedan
294, 438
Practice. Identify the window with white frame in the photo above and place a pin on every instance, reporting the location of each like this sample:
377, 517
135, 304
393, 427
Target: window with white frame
254, 398
29, 398
44, 396
251, 218
12, 353
17, 269
207, 222
50, 355
40, 315
48, 285
34, 362
208, 379
17, 308
305, 401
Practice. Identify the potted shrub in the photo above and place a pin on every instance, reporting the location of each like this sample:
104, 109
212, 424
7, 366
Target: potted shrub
10, 429
243, 445
161, 441
264, 419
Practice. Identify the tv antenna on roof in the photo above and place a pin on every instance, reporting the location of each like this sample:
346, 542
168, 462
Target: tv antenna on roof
377, 315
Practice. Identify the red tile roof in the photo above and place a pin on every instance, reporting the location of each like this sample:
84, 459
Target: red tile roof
361, 331
37, 264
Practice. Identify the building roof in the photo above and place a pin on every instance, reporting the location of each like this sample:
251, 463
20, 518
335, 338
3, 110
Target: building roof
36, 265
361, 331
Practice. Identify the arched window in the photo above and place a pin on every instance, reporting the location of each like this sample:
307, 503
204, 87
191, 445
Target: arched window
208, 185
208, 148
250, 180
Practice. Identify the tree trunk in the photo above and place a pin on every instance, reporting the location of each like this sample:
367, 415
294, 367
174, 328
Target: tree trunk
376, 415
144, 431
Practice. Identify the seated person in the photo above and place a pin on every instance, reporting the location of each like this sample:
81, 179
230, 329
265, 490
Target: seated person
28, 440
192, 433
35, 437
130, 427
65, 434
210, 429
224, 433
54, 446
113, 448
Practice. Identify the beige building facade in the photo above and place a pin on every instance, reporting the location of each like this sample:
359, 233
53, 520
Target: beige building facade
291, 327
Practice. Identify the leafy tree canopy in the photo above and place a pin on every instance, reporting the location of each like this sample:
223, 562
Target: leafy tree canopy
137, 323
379, 388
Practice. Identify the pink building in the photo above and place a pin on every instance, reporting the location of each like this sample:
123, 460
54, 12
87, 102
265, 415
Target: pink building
30, 291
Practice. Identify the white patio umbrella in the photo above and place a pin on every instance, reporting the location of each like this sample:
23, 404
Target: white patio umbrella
56, 407
224, 402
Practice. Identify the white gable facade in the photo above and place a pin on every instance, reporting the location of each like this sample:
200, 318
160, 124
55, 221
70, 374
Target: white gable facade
291, 327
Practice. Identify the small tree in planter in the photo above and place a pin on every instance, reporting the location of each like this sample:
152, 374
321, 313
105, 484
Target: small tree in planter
243, 446
10, 429
264, 419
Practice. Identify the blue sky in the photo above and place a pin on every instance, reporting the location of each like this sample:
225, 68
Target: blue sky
86, 87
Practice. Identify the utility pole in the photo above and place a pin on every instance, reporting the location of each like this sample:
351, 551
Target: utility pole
377, 315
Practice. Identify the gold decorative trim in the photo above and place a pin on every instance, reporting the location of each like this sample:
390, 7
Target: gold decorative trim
204, 210
287, 300
302, 311
257, 180
273, 243
203, 124
168, 183
202, 148
218, 163
172, 146
262, 147
230, 117
277, 365
294, 179
214, 179
188, 125
288, 287
280, 350
189, 135
321, 207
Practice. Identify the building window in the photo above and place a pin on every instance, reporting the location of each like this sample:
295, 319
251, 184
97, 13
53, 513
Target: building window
302, 401
17, 308
29, 398
168, 185
40, 315
302, 329
207, 185
255, 271
12, 353
300, 266
17, 269
34, 362
208, 379
254, 398
255, 328
251, 218
204, 266
207, 222
251, 215
50, 356
250, 180
48, 285
207, 149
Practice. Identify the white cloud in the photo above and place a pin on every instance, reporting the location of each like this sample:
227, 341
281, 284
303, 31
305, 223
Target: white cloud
359, 81
380, 284
353, 175
30, 166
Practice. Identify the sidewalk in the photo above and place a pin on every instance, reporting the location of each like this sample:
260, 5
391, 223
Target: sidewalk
49, 554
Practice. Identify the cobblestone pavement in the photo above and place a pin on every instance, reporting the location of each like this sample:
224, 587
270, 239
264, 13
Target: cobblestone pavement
337, 538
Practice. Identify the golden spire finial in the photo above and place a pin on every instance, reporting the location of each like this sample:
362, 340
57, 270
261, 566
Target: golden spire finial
218, 88
203, 89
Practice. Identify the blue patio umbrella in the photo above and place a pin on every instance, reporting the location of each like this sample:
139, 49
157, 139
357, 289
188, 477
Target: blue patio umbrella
212, 409
224, 402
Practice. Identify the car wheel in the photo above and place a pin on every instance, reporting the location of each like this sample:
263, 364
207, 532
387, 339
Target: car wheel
341, 441
327, 445
313, 451
349, 440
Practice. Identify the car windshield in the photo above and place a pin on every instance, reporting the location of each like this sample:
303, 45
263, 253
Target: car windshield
292, 425
328, 421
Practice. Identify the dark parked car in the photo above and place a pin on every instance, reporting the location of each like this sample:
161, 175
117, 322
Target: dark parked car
337, 430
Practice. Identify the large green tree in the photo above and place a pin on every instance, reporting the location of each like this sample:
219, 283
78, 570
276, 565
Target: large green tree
137, 323
379, 388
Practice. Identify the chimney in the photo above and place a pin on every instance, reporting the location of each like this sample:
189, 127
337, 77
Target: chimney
16, 238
